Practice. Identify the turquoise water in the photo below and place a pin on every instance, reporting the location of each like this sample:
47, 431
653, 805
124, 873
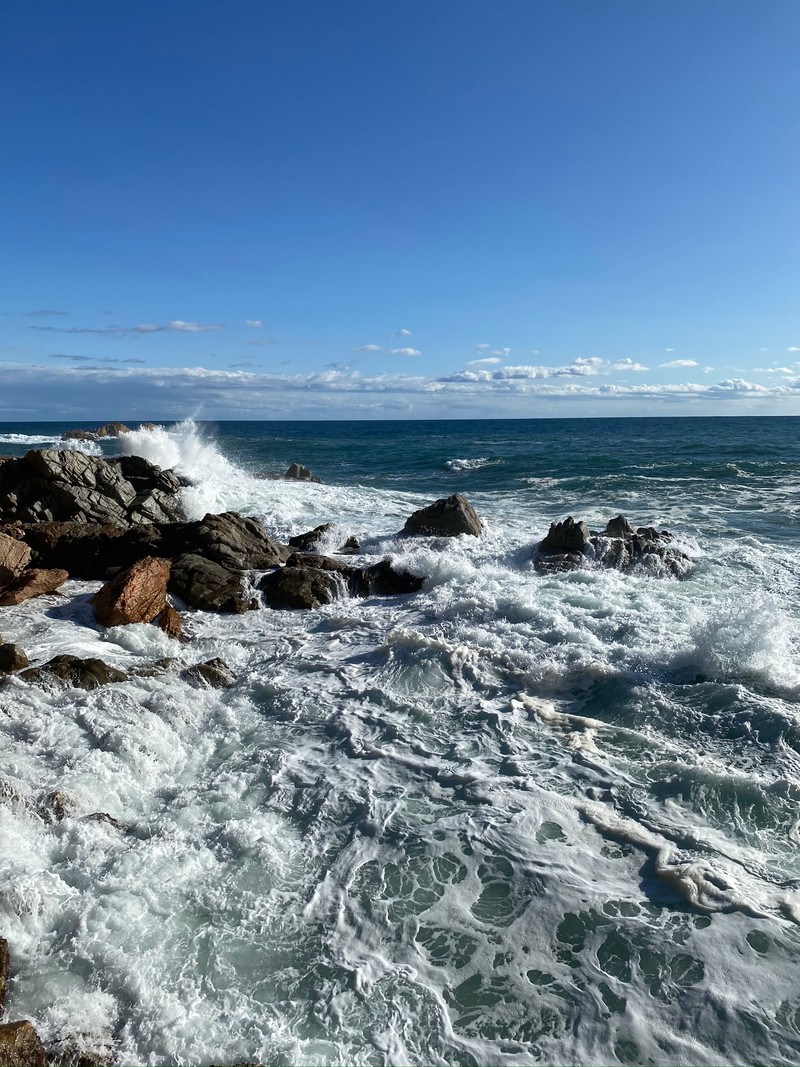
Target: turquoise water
509, 819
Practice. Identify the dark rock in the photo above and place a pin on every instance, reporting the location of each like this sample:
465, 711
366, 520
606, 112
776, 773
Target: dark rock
301, 587
382, 579
570, 545
447, 517
214, 673
567, 536
3, 971
20, 1045
49, 484
158, 668
297, 472
322, 563
14, 557
32, 582
207, 585
229, 539
90, 551
351, 547
618, 527
12, 658
170, 622
307, 542
139, 594
79, 435
73, 671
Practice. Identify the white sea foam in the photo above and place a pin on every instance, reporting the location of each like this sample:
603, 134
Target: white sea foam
468, 464
497, 821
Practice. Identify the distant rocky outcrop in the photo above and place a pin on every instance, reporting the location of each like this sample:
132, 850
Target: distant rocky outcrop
109, 429
299, 473
447, 517
570, 545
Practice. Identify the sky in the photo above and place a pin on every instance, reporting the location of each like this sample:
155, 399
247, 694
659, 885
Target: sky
399, 209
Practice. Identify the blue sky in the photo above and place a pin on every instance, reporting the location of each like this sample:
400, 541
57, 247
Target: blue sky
400, 210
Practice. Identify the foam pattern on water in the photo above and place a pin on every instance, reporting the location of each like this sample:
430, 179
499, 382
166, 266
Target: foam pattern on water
508, 819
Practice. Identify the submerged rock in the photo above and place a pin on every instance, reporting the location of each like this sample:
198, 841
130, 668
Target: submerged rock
20, 1045
382, 579
139, 594
447, 517
32, 582
569, 545
214, 673
82, 1050
81, 673
12, 658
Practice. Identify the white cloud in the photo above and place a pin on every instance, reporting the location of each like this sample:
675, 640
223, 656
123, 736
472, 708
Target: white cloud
763, 350
501, 352
192, 327
535, 352
628, 364
679, 363
253, 322
484, 361
669, 349
794, 348
406, 352
482, 348
403, 333
368, 348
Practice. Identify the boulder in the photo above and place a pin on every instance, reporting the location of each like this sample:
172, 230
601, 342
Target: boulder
12, 658
207, 585
382, 579
299, 586
20, 1045
307, 542
74, 671
618, 527
79, 435
112, 429
447, 517
14, 557
32, 582
298, 473
214, 673
322, 563
139, 594
229, 539
170, 622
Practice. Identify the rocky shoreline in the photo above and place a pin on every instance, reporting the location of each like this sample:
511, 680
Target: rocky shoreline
67, 515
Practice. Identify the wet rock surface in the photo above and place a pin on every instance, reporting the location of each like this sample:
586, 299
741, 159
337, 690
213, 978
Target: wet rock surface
214, 673
15, 555
297, 472
12, 658
32, 582
570, 545
447, 517
302, 586
74, 671
139, 594
204, 584
20, 1045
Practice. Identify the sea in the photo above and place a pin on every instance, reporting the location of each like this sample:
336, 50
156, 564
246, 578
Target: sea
509, 819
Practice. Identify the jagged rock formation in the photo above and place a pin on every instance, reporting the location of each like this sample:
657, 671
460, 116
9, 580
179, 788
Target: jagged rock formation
570, 545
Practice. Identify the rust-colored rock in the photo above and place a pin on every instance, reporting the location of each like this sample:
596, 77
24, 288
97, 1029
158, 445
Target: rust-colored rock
170, 622
32, 582
137, 595
14, 556
20, 1046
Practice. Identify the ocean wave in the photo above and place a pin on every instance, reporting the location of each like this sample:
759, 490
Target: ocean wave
469, 464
